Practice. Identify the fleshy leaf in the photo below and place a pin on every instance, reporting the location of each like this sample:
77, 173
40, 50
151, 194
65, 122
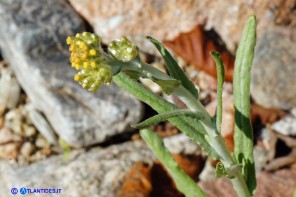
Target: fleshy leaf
183, 182
174, 69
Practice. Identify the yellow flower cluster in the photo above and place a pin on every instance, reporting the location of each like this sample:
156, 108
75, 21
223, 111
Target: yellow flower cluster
86, 57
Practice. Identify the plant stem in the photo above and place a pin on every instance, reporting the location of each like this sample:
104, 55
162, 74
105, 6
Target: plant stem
215, 139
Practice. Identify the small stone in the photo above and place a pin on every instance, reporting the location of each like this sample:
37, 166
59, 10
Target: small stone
37, 156
286, 126
46, 151
22, 160
41, 142
14, 120
6, 136
261, 158
9, 151
29, 131
27, 149
208, 172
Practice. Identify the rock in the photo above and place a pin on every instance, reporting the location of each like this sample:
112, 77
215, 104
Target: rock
261, 158
42, 125
6, 136
286, 126
281, 183
41, 142
97, 173
228, 18
165, 20
161, 19
37, 156
9, 150
10, 89
14, 120
29, 131
33, 42
27, 149
182, 144
273, 82
208, 172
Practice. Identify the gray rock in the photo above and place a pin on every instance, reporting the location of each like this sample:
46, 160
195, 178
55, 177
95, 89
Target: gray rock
273, 82
261, 158
182, 144
42, 125
10, 89
97, 173
32, 40
286, 126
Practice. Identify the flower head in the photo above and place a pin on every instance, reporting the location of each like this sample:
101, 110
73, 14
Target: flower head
86, 56
122, 49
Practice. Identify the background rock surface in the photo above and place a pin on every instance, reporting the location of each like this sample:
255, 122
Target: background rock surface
32, 40
273, 81
97, 173
166, 19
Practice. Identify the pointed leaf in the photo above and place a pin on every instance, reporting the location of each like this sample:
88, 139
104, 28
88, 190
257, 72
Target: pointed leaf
174, 69
189, 126
220, 79
167, 115
166, 85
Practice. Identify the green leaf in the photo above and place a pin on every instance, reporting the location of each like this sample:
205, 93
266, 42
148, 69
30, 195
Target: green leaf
220, 78
133, 74
243, 136
167, 85
174, 69
167, 115
188, 125
183, 182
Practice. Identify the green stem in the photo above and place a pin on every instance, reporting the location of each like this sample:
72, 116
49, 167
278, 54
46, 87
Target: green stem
215, 139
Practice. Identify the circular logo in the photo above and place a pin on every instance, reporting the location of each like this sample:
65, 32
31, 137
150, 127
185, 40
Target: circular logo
23, 191
14, 191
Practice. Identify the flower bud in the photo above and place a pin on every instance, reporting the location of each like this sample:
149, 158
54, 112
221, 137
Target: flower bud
122, 49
